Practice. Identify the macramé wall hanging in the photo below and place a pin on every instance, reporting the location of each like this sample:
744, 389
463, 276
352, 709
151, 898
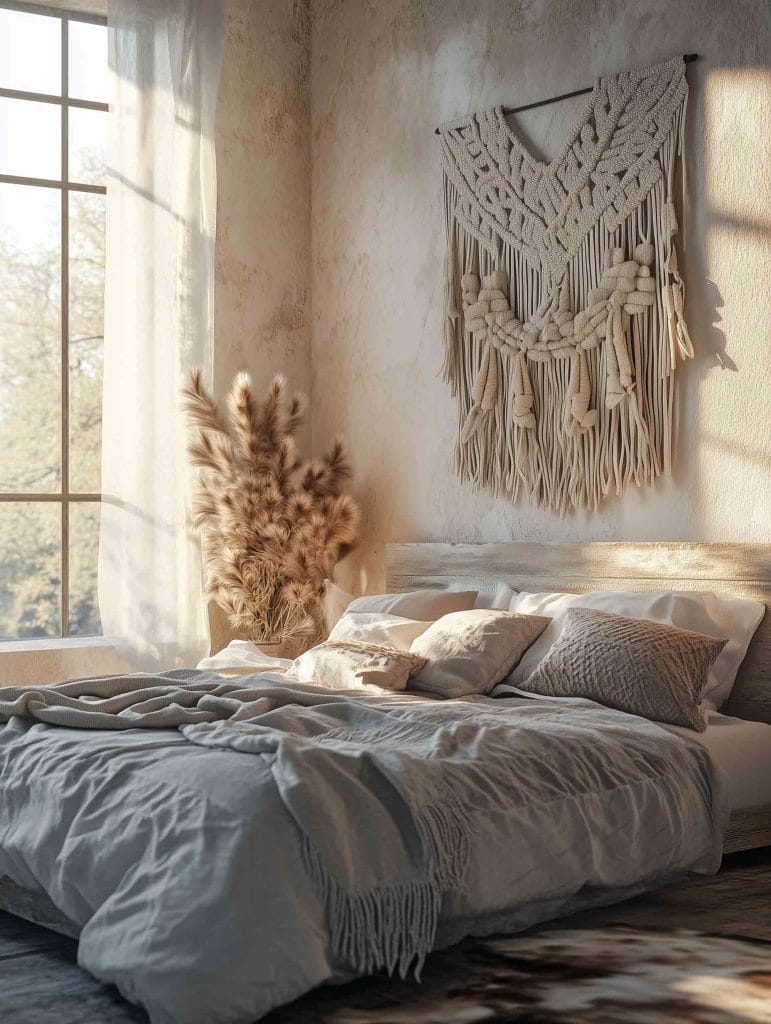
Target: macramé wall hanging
564, 305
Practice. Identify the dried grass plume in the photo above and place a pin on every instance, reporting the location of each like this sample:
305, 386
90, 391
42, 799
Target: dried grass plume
273, 526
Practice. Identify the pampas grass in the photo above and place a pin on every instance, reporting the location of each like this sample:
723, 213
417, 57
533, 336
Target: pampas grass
273, 526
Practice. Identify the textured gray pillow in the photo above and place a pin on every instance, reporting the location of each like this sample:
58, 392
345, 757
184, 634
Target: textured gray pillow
643, 667
469, 652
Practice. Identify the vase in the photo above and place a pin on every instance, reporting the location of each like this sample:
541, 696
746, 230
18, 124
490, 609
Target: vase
279, 648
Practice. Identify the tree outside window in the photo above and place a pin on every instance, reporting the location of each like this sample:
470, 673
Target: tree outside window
53, 128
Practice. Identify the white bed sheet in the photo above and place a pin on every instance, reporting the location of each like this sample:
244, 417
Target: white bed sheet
743, 750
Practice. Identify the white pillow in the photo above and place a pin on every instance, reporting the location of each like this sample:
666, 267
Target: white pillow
470, 652
242, 658
731, 618
379, 628
348, 665
498, 598
422, 605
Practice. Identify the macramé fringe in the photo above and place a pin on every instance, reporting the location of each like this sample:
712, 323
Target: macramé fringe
631, 443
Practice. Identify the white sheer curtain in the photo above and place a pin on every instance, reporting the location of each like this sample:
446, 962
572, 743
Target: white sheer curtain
165, 58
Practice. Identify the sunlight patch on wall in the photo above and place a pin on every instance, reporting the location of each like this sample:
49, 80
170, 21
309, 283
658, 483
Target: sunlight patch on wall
732, 452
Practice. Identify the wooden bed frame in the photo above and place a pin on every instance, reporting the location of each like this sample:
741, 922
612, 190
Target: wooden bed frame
741, 570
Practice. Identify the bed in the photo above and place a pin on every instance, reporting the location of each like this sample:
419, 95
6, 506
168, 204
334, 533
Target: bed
275, 863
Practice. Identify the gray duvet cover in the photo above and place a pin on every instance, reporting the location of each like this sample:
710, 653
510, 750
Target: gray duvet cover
286, 838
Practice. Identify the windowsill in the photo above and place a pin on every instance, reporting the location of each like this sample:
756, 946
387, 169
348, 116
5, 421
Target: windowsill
56, 643
42, 660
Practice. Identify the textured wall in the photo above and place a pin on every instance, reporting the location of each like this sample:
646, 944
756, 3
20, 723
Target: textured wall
383, 75
262, 283
263, 208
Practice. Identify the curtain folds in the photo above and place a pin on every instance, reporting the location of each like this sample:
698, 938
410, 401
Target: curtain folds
165, 58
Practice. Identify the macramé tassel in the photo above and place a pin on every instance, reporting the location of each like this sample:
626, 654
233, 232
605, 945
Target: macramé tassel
484, 392
490, 392
674, 294
522, 408
579, 394
620, 375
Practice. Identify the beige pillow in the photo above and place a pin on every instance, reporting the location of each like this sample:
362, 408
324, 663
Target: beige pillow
472, 651
378, 628
349, 665
642, 667
424, 605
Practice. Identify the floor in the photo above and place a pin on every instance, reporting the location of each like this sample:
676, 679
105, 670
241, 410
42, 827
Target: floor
40, 982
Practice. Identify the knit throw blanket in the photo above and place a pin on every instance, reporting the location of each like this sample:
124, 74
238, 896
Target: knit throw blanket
564, 305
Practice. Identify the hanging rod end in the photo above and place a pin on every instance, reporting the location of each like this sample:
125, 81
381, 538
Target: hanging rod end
688, 58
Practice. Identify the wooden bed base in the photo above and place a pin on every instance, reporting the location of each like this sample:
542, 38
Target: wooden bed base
748, 830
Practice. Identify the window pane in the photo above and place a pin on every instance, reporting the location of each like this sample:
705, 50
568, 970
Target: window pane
84, 550
88, 145
88, 70
30, 569
30, 139
86, 339
30, 52
30, 346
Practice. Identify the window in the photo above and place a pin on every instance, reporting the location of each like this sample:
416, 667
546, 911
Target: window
53, 140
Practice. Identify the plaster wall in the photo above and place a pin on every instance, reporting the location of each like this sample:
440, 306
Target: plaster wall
383, 75
262, 271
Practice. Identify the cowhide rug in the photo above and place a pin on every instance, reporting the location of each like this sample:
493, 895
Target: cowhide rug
595, 975
591, 976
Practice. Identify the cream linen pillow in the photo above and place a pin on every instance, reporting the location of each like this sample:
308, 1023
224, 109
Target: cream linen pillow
348, 665
423, 605
378, 628
642, 667
733, 619
471, 651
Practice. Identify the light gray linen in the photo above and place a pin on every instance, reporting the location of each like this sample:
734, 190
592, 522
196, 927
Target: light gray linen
213, 886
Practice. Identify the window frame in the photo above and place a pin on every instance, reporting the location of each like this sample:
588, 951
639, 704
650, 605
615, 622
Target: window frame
64, 497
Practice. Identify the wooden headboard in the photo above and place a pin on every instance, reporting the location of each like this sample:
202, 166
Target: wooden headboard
742, 570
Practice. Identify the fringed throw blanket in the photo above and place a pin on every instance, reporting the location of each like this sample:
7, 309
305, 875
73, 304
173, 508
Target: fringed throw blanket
564, 305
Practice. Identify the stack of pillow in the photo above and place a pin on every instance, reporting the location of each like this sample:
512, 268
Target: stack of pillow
437, 639
668, 656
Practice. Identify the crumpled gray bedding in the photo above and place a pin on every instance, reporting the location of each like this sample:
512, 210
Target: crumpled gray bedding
282, 835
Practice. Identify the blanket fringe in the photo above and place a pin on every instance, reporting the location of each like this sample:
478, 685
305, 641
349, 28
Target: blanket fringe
391, 927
